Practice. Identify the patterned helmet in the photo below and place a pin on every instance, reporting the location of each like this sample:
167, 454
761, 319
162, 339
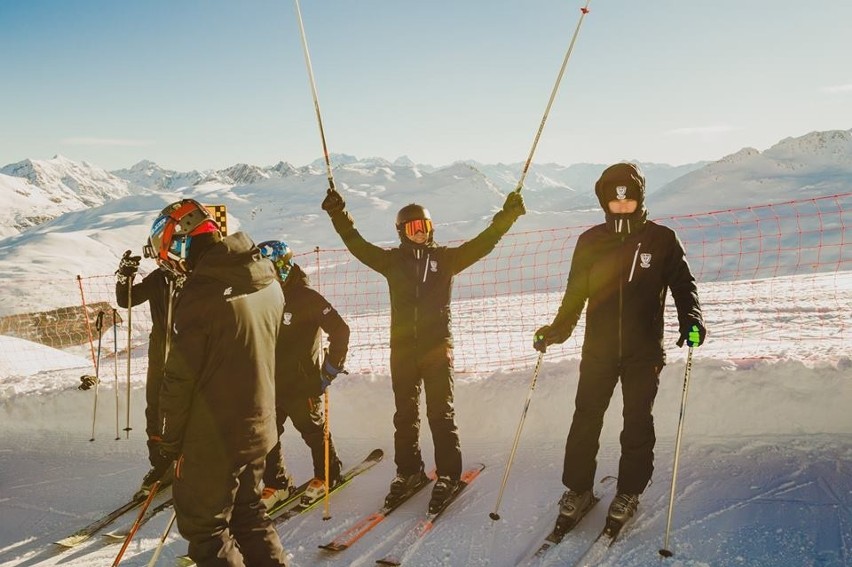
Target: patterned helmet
172, 232
280, 254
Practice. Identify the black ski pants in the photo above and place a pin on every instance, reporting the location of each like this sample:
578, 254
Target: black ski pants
639, 384
306, 415
411, 371
153, 380
220, 513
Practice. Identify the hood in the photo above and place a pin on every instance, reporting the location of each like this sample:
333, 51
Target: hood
297, 278
236, 261
617, 182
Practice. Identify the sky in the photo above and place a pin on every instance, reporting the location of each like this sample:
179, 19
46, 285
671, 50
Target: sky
207, 84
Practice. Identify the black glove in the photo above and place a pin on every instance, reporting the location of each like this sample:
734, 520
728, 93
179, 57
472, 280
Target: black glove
542, 338
514, 205
163, 458
693, 335
127, 267
333, 202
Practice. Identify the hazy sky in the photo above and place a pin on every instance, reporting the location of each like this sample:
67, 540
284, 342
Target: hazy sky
199, 84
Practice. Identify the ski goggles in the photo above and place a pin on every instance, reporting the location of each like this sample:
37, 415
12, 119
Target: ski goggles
412, 227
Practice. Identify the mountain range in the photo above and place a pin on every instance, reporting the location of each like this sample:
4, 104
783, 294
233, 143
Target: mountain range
62, 218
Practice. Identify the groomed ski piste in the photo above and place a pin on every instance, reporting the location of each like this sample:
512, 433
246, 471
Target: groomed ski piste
765, 476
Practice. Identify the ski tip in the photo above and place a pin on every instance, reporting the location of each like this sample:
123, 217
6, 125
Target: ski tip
375, 455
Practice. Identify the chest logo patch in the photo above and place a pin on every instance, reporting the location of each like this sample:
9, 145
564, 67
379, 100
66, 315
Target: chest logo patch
645, 260
433, 266
621, 192
287, 318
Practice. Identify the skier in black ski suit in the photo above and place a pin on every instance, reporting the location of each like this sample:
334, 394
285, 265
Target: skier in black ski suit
155, 289
302, 373
420, 275
217, 399
623, 268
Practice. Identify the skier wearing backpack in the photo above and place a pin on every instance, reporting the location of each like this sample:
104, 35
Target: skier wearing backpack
420, 276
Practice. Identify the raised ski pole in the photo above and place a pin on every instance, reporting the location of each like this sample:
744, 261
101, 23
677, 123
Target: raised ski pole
115, 366
494, 515
99, 326
325, 434
137, 523
583, 11
314, 95
665, 551
127, 427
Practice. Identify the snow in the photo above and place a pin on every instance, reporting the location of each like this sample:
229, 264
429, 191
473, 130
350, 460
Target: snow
765, 471
765, 475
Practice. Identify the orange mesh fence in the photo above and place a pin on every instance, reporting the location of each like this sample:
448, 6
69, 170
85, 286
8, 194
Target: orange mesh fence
769, 277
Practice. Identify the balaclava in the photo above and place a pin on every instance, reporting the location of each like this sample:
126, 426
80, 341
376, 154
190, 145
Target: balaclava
617, 182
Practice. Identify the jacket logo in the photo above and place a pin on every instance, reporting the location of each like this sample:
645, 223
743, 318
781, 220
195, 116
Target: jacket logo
644, 260
621, 192
327, 310
287, 318
433, 266
228, 291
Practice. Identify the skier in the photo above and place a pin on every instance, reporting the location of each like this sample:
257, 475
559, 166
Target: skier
155, 288
623, 268
217, 399
302, 373
420, 276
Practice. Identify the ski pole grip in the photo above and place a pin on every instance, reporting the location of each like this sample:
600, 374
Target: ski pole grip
99, 321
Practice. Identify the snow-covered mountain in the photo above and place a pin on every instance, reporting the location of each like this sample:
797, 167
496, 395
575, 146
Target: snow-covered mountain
283, 201
816, 164
34, 191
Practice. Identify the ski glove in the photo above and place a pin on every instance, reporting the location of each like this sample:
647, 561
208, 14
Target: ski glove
541, 339
693, 335
333, 202
514, 205
328, 373
127, 267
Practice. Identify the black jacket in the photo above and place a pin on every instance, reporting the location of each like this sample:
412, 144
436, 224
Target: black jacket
420, 279
218, 393
625, 280
299, 353
154, 288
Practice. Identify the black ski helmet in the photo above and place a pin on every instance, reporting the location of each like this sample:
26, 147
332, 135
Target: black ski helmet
408, 213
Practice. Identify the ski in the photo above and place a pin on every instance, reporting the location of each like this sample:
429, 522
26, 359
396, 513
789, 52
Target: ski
599, 547
564, 525
120, 534
425, 525
370, 521
303, 506
85, 533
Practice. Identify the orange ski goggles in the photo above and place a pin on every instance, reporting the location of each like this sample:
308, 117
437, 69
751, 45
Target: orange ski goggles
418, 225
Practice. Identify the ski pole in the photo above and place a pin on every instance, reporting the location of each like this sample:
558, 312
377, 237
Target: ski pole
494, 515
583, 12
99, 325
326, 435
162, 541
314, 95
115, 366
137, 523
127, 427
665, 551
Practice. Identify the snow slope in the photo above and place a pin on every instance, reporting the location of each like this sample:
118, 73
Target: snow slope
765, 474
